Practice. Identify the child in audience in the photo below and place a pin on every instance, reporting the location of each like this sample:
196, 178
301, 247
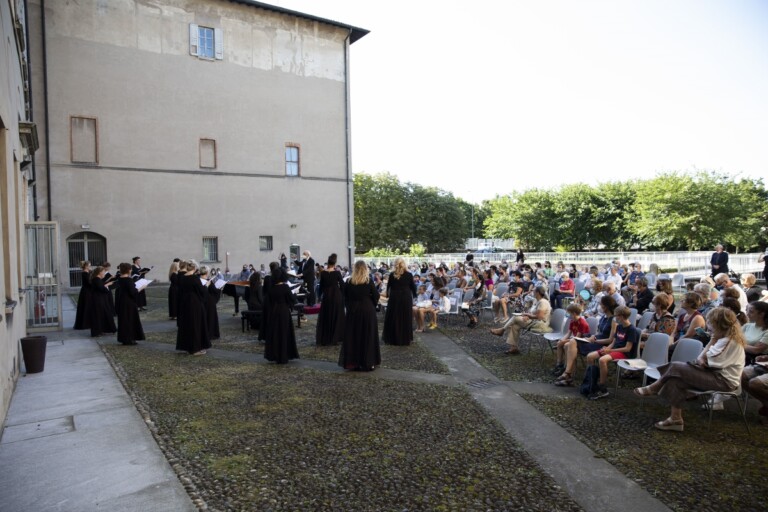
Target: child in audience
577, 328
423, 304
622, 346
440, 305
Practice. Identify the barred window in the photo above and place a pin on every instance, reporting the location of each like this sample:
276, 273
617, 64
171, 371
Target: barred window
210, 248
265, 243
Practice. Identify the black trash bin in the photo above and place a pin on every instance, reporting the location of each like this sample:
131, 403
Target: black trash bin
33, 349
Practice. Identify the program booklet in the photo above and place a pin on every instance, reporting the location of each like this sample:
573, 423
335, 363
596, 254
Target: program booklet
142, 283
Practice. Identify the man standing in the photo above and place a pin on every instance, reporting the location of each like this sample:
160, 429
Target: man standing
306, 271
719, 261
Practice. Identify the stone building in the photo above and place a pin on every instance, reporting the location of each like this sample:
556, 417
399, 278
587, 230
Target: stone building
17, 146
208, 129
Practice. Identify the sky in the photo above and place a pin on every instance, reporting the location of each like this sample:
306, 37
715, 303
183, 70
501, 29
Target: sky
484, 98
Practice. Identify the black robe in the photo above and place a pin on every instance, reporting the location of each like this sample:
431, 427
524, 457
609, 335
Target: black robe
330, 320
212, 315
192, 335
398, 320
173, 296
265, 308
102, 317
280, 345
129, 328
360, 350
136, 275
82, 319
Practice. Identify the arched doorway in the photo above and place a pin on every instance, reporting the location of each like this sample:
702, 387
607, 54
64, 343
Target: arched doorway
84, 246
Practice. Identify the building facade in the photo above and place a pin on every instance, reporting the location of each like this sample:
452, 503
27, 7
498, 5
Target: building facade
17, 146
209, 129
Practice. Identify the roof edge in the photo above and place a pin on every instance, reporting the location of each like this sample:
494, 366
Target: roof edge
355, 32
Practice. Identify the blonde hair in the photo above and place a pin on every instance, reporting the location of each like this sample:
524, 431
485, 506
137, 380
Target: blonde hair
192, 265
174, 268
400, 267
748, 280
359, 273
725, 321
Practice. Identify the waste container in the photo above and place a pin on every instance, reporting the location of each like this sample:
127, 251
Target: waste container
33, 349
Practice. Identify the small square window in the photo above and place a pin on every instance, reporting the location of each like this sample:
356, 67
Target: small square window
83, 140
265, 243
208, 153
210, 248
291, 160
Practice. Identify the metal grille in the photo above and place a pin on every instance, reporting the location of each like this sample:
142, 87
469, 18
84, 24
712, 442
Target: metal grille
41, 279
84, 246
210, 248
265, 243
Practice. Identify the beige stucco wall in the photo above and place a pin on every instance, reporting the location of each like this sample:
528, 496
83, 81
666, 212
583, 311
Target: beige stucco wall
127, 63
12, 208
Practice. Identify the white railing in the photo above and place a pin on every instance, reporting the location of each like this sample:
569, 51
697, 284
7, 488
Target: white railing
692, 264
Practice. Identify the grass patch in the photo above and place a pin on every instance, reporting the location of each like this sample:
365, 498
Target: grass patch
263, 437
717, 468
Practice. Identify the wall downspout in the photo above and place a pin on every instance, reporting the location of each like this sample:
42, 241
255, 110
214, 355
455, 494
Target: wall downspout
350, 184
31, 107
45, 108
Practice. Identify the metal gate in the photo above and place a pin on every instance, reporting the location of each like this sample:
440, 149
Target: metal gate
41, 281
84, 246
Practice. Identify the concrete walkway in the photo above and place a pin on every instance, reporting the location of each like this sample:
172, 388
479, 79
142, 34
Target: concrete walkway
74, 441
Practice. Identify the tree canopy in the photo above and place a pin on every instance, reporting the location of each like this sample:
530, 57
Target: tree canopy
673, 211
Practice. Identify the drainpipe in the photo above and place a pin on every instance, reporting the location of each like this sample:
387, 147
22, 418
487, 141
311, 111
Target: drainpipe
31, 110
350, 186
45, 108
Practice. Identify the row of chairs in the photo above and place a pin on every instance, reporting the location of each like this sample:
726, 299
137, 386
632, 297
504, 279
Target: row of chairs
654, 354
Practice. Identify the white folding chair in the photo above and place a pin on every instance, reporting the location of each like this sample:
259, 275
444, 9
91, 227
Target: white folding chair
655, 354
645, 320
709, 402
593, 322
686, 349
678, 281
632, 316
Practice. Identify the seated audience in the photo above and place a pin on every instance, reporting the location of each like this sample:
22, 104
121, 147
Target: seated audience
578, 328
718, 367
565, 289
535, 320
724, 282
750, 289
642, 296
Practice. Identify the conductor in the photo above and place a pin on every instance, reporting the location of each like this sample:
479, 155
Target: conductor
306, 271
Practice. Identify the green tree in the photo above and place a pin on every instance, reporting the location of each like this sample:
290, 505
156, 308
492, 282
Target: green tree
529, 217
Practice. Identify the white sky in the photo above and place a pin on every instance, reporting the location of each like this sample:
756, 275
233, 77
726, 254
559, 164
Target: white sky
480, 98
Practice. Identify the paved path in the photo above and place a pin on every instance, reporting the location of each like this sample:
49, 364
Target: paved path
74, 440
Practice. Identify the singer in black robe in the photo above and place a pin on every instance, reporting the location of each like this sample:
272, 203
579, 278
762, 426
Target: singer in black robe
82, 318
129, 328
280, 345
360, 350
102, 317
330, 320
192, 335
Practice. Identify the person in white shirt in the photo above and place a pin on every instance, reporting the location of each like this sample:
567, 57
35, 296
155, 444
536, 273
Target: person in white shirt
718, 368
725, 281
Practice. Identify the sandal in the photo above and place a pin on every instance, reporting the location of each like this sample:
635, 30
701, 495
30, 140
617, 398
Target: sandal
564, 380
643, 392
670, 424
512, 351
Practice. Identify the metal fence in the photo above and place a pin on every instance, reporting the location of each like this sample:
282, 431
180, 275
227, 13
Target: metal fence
41, 281
692, 264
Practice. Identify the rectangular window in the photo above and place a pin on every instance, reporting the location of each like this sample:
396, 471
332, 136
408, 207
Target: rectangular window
291, 159
265, 243
206, 42
210, 248
83, 140
208, 153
